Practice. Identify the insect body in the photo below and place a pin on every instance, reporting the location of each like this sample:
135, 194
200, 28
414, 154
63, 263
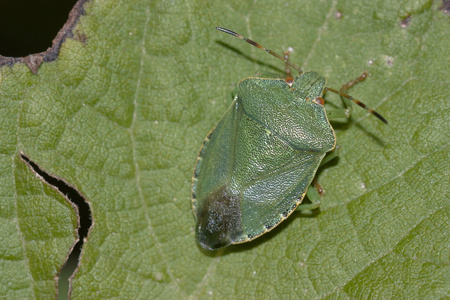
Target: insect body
255, 166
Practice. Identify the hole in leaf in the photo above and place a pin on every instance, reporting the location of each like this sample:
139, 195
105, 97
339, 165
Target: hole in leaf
29, 26
41, 32
85, 222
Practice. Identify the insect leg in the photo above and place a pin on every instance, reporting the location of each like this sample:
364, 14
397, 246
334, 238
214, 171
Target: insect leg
347, 100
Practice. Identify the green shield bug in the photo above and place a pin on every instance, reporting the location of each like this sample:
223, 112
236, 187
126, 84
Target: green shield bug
255, 166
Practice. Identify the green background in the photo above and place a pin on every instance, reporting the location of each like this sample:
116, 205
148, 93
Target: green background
122, 115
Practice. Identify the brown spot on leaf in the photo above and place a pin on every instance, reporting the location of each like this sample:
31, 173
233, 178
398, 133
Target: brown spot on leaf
445, 7
404, 23
81, 37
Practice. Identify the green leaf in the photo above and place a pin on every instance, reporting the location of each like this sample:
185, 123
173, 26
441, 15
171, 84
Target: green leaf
121, 117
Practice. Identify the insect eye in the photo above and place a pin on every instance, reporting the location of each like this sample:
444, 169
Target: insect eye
319, 100
289, 81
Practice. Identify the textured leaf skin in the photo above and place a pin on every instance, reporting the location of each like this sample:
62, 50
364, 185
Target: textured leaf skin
255, 166
122, 115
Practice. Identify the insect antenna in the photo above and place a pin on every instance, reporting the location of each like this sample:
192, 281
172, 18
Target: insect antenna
251, 42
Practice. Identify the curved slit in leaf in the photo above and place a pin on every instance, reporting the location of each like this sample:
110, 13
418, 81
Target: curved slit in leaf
85, 223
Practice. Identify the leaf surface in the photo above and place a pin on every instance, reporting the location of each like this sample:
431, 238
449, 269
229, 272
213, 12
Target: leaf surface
121, 117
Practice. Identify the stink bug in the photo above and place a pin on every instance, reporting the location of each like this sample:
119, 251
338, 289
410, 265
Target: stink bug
256, 165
